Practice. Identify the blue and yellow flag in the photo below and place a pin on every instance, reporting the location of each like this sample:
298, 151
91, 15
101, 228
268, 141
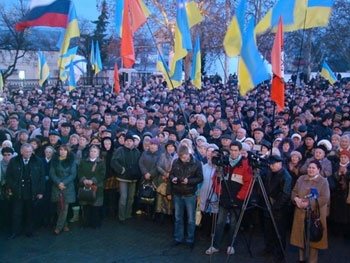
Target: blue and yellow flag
65, 60
327, 73
119, 12
289, 10
43, 69
71, 32
1, 82
251, 67
72, 82
315, 14
163, 67
98, 63
233, 38
187, 16
196, 75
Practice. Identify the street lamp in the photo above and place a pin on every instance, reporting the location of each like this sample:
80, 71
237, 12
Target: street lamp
22, 76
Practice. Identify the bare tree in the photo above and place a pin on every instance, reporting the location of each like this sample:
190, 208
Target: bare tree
16, 43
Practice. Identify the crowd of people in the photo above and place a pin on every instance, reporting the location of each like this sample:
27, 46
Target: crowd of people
198, 148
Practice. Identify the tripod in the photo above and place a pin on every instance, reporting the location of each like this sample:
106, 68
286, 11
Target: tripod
257, 179
219, 216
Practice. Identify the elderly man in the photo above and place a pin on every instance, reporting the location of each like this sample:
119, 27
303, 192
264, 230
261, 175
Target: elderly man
25, 178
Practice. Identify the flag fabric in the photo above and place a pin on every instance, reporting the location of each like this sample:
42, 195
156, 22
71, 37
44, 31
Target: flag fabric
196, 75
98, 63
163, 67
92, 55
71, 32
187, 15
64, 60
233, 38
72, 82
327, 73
289, 10
251, 67
119, 16
1, 82
116, 79
315, 13
43, 69
277, 62
51, 13
134, 15
318, 13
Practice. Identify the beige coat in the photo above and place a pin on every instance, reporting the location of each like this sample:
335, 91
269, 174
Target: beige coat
301, 189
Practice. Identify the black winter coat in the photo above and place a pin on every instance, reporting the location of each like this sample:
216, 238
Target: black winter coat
191, 170
14, 175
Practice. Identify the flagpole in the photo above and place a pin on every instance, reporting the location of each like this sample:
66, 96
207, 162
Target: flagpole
160, 54
182, 112
301, 47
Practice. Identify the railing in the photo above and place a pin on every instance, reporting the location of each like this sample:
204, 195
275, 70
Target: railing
33, 83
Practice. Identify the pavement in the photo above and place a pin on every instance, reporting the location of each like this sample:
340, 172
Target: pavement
142, 240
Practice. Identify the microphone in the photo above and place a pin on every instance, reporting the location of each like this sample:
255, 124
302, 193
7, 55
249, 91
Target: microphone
313, 194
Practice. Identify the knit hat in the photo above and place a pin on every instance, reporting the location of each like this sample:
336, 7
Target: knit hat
129, 136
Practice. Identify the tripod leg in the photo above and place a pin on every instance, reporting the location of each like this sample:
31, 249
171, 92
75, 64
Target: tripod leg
268, 205
241, 215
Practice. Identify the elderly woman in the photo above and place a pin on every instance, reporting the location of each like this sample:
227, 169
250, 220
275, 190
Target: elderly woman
148, 165
293, 166
319, 155
163, 205
63, 171
91, 172
313, 179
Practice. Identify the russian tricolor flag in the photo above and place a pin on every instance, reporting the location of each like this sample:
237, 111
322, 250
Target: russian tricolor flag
51, 13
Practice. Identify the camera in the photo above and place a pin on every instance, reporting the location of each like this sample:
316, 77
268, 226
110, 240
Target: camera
255, 160
220, 158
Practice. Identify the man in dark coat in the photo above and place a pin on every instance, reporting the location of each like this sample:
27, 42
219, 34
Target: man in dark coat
25, 179
185, 174
278, 185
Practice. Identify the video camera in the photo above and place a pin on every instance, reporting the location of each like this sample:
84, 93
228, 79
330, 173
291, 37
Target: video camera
255, 160
220, 158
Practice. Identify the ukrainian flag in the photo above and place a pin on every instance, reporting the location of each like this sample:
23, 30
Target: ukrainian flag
233, 38
98, 62
43, 69
64, 59
290, 10
196, 75
327, 73
187, 16
318, 13
251, 67
163, 67
119, 12
72, 31
72, 82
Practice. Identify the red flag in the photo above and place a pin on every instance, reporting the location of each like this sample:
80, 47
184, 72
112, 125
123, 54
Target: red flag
127, 44
138, 17
116, 79
277, 61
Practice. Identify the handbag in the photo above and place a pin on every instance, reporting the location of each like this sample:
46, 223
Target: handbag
87, 193
147, 193
316, 227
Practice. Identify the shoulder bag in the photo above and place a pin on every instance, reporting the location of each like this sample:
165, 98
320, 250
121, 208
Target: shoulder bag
316, 227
